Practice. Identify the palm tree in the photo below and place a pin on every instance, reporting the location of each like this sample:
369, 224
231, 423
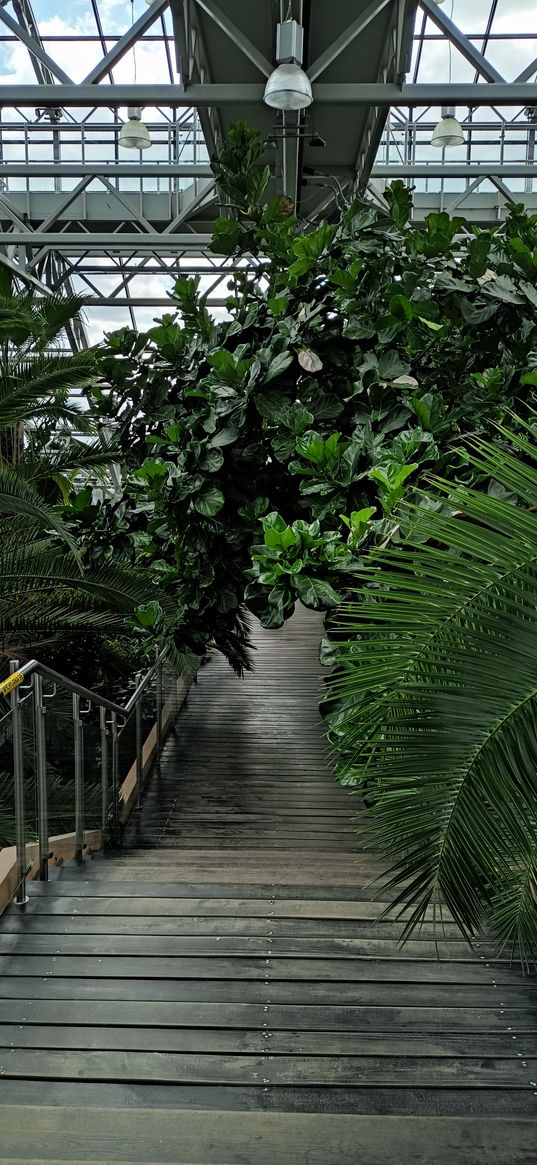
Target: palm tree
437, 690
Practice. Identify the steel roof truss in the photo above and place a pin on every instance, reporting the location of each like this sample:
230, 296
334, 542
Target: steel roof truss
461, 42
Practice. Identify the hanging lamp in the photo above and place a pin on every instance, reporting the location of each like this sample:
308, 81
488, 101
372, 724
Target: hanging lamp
448, 131
288, 86
134, 135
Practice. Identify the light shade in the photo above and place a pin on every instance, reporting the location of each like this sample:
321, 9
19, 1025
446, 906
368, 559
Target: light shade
134, 135
448, 132
288, 87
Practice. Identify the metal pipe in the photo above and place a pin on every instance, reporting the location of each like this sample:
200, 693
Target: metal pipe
231, 94
104, 774
139, 744
41, 775
79, 778
18, 774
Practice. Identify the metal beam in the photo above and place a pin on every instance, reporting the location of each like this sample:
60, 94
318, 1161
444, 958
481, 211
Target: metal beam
187, 210
205, 96
34, 48
526, 73
454, 170
461, 42
23, 274
143, 301
71, 241
95, 170
237, 36
346, 38
122, 46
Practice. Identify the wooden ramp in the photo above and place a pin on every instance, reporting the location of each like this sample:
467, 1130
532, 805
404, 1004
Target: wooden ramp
219, 993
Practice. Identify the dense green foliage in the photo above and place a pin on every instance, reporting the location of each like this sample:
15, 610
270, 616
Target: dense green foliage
263, 454
437, 685
46, 448
51, 603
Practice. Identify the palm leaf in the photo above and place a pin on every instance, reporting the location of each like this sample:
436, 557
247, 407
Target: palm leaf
20, 499
437, 676
54, 312
27, 568
75, 455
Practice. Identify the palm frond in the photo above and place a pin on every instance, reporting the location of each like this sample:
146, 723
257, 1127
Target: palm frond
74, 455
437, 676
20, 498
28, 568
54, 312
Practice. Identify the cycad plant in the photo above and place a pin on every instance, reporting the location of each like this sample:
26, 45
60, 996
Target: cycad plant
437, 690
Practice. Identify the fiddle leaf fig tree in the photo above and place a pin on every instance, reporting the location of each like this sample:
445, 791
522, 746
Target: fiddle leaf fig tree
263, 454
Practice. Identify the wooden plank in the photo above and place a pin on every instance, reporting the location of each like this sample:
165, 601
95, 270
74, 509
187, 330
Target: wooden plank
260, 1042
163, 1009
216, 1138
192, 1068
74, 884
309, 949
217, 925
422, 1005
307, 845
246, 1098
299, 873
354, 911
391, 968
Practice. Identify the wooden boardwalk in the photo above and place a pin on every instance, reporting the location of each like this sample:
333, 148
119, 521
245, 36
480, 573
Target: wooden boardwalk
219, 993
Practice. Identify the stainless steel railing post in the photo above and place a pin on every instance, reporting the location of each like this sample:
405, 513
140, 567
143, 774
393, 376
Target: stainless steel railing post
139, 744
115, 779
41, 776
104, 774
158, 711
79, 777
18, 773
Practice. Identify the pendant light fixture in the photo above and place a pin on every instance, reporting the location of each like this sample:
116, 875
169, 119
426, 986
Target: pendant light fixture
134, 135
288, 86
448, 131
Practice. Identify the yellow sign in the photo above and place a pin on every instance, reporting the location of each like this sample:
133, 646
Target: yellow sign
13, 681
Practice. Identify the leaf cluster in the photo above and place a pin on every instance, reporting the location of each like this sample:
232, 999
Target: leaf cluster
355, 359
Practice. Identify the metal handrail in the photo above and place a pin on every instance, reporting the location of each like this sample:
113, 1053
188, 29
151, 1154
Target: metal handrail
48, 673
109, 728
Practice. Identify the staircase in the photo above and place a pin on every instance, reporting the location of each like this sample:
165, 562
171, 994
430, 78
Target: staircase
219, 992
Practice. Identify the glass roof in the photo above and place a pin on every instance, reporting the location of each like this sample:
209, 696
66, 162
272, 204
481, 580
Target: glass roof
76, 35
